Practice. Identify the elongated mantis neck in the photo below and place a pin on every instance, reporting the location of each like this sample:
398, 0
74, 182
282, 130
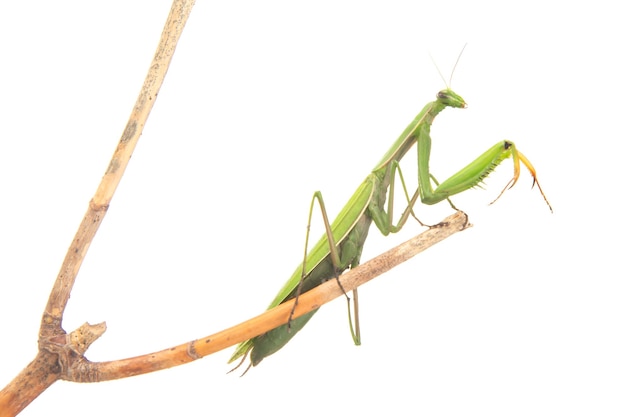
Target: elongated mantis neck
410, 135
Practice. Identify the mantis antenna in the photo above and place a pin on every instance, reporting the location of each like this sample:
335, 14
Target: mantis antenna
449, 83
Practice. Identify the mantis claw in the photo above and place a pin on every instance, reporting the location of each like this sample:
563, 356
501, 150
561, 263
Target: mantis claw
520, 156
517, 157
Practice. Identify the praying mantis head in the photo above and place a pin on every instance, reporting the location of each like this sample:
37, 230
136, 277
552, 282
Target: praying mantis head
449, 98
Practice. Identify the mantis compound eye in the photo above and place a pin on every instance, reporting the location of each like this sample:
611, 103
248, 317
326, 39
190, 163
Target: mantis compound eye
442, 95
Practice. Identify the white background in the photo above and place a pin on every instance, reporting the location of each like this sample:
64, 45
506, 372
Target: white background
266, 102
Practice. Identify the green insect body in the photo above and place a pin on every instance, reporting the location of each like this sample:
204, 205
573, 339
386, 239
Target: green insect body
340, 248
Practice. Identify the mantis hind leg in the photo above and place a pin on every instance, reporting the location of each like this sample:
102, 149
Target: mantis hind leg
338, 266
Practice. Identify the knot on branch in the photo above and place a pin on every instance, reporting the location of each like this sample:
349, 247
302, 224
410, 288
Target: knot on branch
71, 348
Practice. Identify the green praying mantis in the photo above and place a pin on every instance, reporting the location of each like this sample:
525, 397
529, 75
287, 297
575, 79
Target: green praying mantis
340, 248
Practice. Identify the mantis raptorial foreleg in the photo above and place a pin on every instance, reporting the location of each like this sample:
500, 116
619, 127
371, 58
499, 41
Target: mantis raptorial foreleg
474, 173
